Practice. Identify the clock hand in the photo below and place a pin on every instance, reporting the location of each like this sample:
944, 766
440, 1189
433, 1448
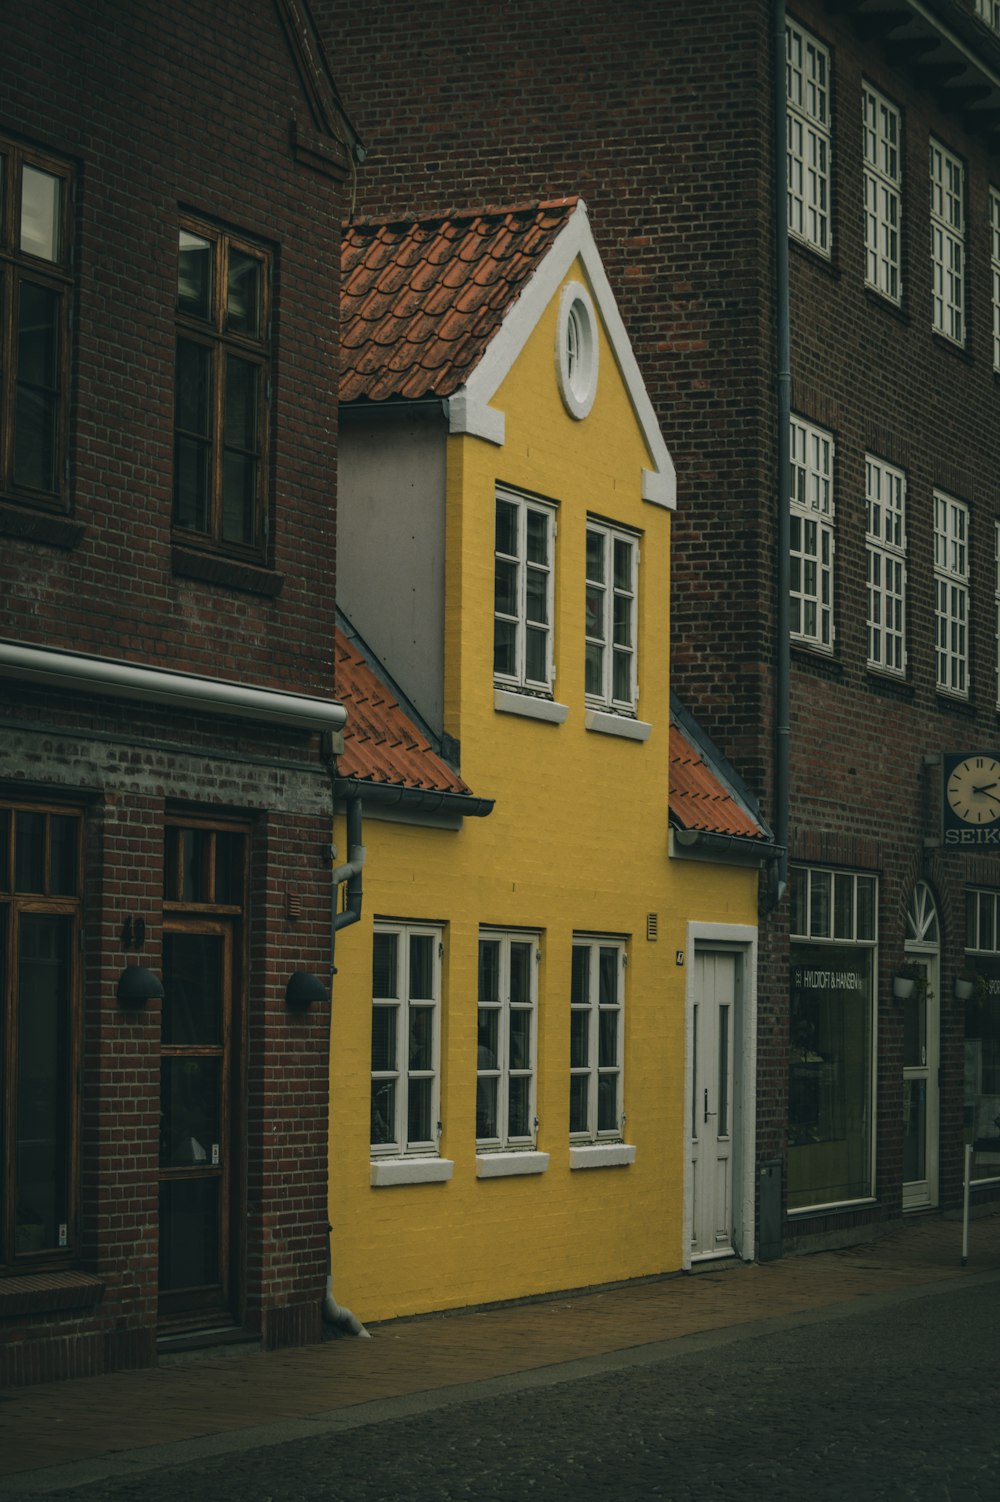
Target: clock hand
985, 788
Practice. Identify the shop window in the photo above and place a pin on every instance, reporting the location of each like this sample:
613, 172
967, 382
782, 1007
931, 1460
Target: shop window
982, 1033
35, 286
40, 911
831, 1044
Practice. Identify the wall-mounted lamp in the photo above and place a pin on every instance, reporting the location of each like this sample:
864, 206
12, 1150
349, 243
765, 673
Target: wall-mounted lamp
303, 989
137, 985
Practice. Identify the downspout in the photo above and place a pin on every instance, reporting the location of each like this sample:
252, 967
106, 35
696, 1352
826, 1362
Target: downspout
333, 1313
783, 378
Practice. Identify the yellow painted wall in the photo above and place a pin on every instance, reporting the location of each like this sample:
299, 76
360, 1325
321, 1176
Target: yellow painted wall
577, 842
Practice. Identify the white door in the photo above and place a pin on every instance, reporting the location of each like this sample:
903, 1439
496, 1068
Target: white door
921, 1055
713, 1034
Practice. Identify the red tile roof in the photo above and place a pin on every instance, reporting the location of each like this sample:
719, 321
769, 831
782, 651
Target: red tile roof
422, 299
699, 799
381, 742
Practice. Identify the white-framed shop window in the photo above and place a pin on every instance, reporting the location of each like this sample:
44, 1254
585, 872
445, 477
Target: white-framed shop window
507, 1037
951, 594
597, 1039
995, 272
406, 1029
807, 91
947, 243
831, 1105
885, 497
523, 592
883, 193
812, 535
612, 588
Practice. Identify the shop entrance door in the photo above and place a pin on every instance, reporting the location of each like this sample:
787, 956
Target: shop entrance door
712, 1101
196, 1146
921, 1056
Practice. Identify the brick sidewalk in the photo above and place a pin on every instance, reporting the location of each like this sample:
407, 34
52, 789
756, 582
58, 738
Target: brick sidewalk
61, 1423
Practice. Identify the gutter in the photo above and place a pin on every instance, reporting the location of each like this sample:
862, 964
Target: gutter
783, 381
734, 844
419, 800
73, 672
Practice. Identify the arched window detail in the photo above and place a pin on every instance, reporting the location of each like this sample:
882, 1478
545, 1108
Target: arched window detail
922, 925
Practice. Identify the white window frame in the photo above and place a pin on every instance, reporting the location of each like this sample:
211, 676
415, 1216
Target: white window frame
525, 570
812, 535
947, 243
502, 1069
951, 595
807, 93
995, 270
588, 1010
404, 1005
885, 497
989, 11
617, 606
883, 193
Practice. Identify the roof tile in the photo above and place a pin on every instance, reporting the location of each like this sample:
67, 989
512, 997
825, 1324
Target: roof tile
699, 799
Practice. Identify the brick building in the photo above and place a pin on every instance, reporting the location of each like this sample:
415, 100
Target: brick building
171, 184
835, 574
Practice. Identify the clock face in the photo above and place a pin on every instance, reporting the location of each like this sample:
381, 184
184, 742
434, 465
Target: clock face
973, 790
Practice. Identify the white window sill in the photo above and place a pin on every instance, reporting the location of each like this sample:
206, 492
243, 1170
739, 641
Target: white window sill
617, 724
509, 702
507, 1165
385, 1171
601, 1155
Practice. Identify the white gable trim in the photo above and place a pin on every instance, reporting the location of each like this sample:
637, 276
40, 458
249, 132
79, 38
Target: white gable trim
469, 409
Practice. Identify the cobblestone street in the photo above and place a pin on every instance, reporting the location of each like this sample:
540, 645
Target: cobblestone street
897, 1402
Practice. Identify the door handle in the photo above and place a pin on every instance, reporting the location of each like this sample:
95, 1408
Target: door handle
708, 1113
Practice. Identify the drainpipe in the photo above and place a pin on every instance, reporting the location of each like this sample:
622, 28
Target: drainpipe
783, 380
333, 1313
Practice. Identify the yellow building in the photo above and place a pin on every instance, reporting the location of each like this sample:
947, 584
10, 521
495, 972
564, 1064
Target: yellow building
519, 1100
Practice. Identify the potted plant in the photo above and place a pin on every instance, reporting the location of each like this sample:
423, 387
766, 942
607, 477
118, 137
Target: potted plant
969, 985
908, 979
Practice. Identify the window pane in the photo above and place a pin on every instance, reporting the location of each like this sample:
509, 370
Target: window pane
229, 868
37, 387
192, 449
505, 648
384, 1038
421, 1037
489, 970
607, 1053
190, 1091
538, 536
42, 1081
243, 309
621, 687
241, 452
194, 876
594, 675
505, 587
40, 205
799, 917
623, 565
422, 967
623, 621
488, 1053
486, 1108
62, 855
418, 1126
194, 274
537, 597
192, 980
383, 1126
595, 557
506, 528
594, 606
579, 1039
536, 655
29, 852
518, 1124
385, 965
580, 978
843, 906
521, 961
819, 904
607, 1103
519, 1052
608, 994
5, 827
866, 907
579, 1092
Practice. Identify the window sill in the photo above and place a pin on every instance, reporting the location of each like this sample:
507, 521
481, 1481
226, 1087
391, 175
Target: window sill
36, 1293
608, 723
601, 1155
509, 1165
233, 573
387, 1171
56, 529
508, 702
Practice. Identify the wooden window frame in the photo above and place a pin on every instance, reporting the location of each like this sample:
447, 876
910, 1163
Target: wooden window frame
18, 268
592, 1009
210, 333
402, 1073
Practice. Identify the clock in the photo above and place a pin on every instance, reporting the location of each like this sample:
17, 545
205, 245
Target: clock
972, 789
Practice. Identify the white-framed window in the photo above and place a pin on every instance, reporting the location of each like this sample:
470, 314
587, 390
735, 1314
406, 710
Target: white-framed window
947, 243
508, 1022
885, 495
596, 1046
831, 1084
523, 582
951, 592
989, 11
406, 1027
807, 90
610, 677
982, 1032
995, 272
812, 539
883, 193
577, 350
